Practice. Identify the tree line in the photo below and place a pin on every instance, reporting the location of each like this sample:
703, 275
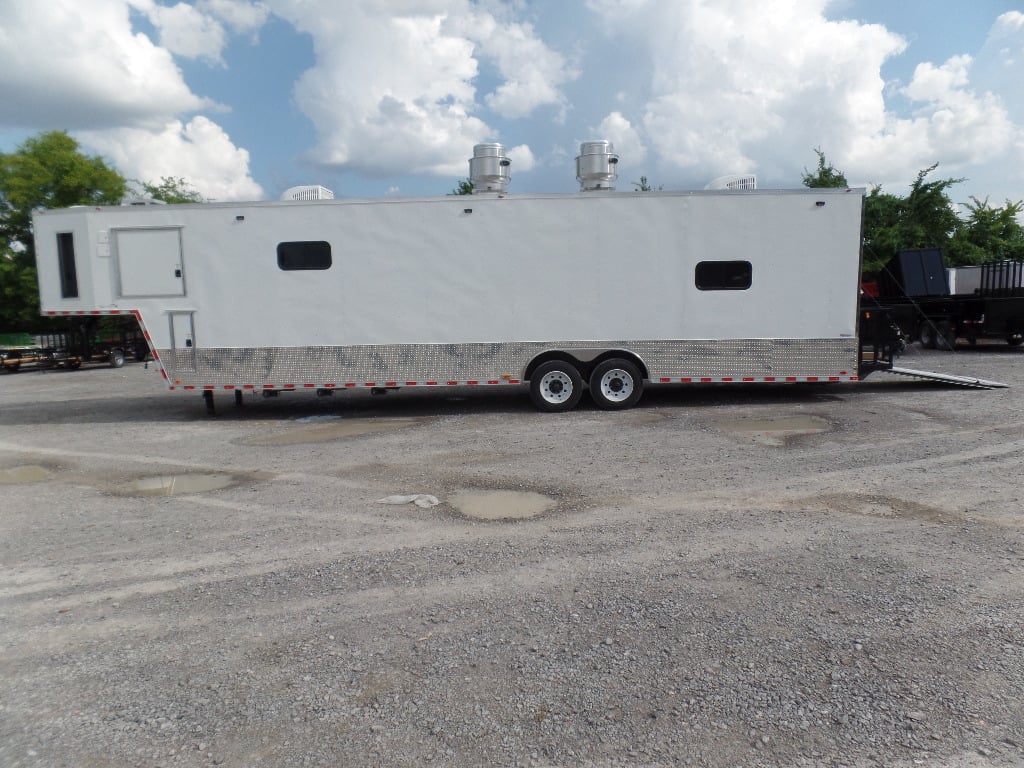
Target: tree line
927, 218
51, 171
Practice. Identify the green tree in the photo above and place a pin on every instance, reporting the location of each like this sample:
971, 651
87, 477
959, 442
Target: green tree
988, 234
930, 219
173, 190
826, 175
45, 171
925, 218
465, 187
643, 185
881, 235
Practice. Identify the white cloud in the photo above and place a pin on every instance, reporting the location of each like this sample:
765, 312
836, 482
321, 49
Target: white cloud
999, 66
199, 151
241, 15
623, 136
81, 66
738, 85
952, 124
522, 158
184, 30
533, 73
394, 87
195, 31
64, 63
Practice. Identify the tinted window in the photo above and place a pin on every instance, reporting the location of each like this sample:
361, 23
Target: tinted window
723, 275
66, 262
307, 254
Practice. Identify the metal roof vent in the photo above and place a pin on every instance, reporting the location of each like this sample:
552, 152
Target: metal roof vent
307, 192
736, 182
595, 166
489, 168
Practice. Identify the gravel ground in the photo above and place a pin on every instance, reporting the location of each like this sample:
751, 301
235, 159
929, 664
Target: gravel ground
727, 576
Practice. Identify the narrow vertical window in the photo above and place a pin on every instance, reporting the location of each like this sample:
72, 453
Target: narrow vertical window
68, 270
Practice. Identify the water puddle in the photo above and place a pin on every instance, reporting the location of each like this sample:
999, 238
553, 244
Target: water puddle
332, 430
27, 473
775, 431
641, 418
501, 505
176, 485
883, 507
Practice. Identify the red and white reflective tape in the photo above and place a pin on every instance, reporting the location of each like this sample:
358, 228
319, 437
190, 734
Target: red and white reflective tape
332, 385
844, 376
76, 312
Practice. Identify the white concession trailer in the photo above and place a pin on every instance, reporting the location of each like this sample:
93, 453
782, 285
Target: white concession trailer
597, 290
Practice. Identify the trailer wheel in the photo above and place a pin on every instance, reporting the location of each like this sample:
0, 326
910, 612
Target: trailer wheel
616, 385
927, 335
946, 338
116, 358
556, 386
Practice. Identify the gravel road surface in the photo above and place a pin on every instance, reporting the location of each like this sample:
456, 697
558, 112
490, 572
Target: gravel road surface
798, 575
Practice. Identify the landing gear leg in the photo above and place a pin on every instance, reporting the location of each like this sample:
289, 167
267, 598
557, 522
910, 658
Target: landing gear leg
238, 398
208, 399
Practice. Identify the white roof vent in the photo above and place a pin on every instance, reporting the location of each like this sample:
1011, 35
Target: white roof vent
308, 192
141, 198
489, 168
736, 182
595, 166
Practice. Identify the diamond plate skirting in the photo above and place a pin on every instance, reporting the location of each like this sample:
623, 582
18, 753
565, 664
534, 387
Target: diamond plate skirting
442, 363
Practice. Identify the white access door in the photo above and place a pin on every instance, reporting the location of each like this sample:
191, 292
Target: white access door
149, 262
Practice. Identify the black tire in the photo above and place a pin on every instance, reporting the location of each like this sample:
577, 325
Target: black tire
927, 335
116, 358
141, 351
556, 386
616, 384
1014, 341
946, 338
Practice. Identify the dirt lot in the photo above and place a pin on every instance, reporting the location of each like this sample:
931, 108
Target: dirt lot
723, 576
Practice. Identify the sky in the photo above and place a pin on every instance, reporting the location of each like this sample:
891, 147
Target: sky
375, 98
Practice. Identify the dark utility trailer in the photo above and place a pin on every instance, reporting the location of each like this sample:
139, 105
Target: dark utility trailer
936, 305
100, 340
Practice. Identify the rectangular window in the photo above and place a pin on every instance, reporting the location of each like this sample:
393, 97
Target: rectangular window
306, 254
66, 261
723, 275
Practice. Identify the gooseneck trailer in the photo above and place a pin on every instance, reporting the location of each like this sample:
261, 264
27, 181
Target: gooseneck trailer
596, 290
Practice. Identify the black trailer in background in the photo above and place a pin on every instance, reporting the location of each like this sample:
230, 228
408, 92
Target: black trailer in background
103, 340
915, 289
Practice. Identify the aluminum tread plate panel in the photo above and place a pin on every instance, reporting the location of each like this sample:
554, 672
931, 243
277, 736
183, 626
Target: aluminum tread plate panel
738, 358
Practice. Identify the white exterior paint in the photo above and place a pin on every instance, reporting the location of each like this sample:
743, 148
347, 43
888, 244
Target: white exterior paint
574, 269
